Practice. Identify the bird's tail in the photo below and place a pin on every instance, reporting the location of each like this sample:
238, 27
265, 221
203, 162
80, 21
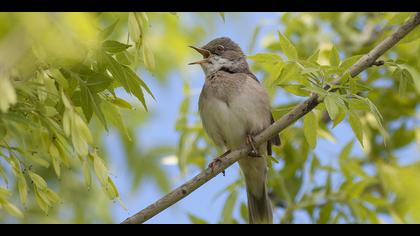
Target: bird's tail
259, 208
259, 204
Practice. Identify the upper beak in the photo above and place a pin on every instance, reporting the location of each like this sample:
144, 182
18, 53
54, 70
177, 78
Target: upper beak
203, 52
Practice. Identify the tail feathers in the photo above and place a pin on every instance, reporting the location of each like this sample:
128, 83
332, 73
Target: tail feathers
259, 208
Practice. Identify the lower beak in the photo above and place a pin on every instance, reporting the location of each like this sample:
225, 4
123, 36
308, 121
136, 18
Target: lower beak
203, 52
198, 62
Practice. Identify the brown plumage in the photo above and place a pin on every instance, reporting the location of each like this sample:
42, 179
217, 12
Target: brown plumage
233, 105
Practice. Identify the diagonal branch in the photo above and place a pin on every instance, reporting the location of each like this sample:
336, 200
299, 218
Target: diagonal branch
179, 193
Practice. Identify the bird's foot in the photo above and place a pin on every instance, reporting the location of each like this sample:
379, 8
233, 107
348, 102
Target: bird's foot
218, 160
250, 141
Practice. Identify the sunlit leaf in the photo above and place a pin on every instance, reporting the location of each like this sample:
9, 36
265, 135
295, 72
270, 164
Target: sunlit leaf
356, 126
287, 47
332, 107
113, 46
310, 127
12, 209
269, 58
334, 57
38, 180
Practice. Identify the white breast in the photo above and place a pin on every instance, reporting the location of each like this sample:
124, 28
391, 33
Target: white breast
228, 123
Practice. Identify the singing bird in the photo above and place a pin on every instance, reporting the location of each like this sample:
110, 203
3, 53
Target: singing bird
234, 107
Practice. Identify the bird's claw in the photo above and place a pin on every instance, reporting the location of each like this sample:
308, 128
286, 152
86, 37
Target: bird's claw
250, 141
217, 160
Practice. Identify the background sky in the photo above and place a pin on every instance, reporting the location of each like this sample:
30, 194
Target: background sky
204, 202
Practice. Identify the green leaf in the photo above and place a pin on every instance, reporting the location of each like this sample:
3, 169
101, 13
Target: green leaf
148, 57
12, 209
316, 89
403, 82
38, 180
113, 46
86, 172
196, 220
327, 135
325, 213
227, 210
81, 135
134, 27
345, 152
58, 76
116, 70
144, 85
111, 190
331, 105
4, 193
272, 159
3, 174
348, 62
133, 82
398, 18
314, 166
113, 115
344, 79
222, 15
105, 33
23, 188
411, 36
334, 57
397, 75
124, 57
356, 126
100, 169
295, 89
244, 211
52, 196
289, 72
91, 103
341, 114
122, 103
55, 156
374, 200
310, 127
97, 82
357, 104
3, 132
268, 58
86, 102
314, 57
42, 203
404, 78
287, 47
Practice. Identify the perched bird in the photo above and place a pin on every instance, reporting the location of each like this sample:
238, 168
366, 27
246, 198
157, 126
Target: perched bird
234, 107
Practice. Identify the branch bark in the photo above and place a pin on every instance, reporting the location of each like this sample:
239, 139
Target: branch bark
179, 193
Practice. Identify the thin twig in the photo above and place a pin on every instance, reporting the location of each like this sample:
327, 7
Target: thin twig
278, 126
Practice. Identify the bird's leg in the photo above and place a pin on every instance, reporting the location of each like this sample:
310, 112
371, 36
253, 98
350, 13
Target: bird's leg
218, 159
250, 141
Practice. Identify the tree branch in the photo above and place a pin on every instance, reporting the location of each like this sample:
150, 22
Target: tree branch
179, 193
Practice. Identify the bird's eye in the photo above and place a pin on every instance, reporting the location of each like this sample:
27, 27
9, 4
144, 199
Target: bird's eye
220, 48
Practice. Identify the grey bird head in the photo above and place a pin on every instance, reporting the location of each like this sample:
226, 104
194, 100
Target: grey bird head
222, 54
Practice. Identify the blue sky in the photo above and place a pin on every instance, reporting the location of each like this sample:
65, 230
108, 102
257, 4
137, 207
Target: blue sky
160, 129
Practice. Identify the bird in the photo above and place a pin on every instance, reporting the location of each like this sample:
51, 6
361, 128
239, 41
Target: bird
234, 107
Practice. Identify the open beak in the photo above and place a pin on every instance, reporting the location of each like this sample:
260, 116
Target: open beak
203, 52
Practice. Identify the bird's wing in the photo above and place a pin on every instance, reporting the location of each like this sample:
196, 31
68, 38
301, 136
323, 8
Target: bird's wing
276, 139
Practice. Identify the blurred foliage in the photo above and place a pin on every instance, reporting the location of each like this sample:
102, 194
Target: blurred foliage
69, 79
65, 80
